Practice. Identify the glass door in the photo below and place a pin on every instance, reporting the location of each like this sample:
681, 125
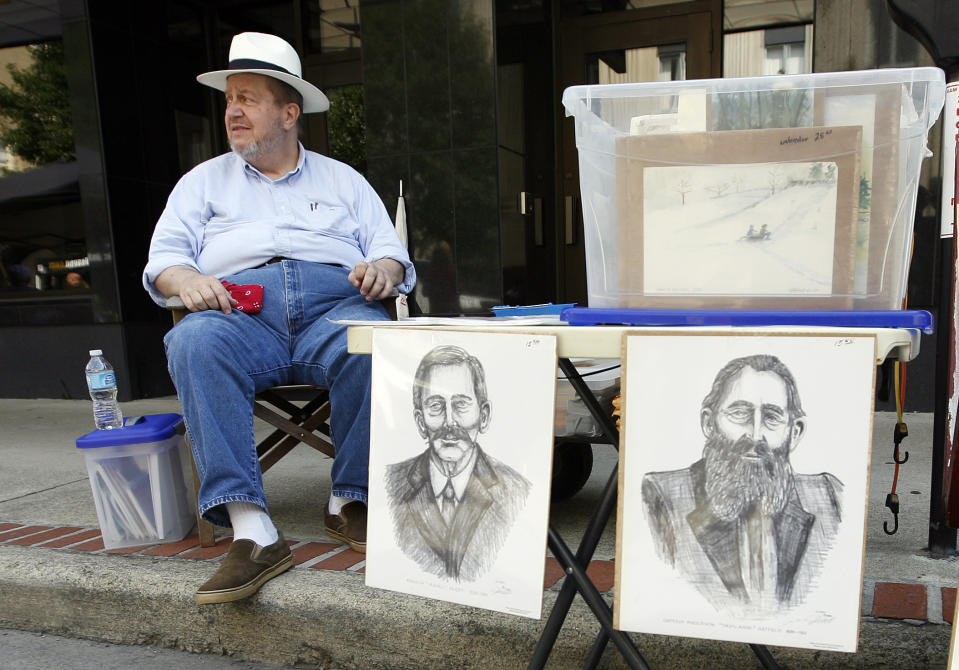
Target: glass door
620, 47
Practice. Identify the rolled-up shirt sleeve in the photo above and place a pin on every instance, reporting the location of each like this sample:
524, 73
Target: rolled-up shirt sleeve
178, 235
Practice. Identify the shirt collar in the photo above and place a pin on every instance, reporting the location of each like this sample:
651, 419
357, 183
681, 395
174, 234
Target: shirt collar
460, 479
300, 159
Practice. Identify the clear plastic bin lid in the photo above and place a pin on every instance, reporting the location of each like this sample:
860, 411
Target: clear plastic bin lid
135, 430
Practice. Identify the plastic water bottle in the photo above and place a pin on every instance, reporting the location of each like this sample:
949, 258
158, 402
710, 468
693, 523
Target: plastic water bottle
102, 383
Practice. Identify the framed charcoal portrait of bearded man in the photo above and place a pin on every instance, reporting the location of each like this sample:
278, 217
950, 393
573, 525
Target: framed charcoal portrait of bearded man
744, 465
461, 440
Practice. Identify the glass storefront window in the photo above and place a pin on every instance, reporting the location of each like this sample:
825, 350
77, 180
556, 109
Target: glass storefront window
573, 8
767, 37
768, 51
660, 63
276, 17
333, 25
35, 120
42, 239
745, 14
346, 126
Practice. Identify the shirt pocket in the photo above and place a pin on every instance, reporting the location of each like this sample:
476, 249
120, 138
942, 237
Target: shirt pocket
331, 219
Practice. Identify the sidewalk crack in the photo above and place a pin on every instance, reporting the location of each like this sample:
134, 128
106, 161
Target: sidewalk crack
49, 488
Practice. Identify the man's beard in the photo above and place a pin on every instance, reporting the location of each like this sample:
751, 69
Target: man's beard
257, 148
736, 485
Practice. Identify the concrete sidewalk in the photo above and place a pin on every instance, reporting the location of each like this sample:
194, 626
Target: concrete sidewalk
56, 577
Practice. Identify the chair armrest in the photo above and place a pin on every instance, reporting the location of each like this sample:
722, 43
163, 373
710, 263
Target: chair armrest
177, 309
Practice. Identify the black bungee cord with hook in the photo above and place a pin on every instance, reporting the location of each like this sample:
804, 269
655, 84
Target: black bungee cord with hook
900, 431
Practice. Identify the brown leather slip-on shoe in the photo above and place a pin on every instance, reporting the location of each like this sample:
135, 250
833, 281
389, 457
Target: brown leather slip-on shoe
246, 567
349, 525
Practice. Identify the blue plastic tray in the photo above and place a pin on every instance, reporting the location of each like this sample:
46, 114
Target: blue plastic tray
589, 316
530, 310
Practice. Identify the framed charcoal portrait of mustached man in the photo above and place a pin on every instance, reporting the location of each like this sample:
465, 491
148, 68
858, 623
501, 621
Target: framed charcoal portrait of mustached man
461, 443
744, 465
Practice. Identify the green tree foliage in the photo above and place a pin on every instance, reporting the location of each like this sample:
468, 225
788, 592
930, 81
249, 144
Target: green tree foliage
762, 109
35, 119
346, 121
865, 193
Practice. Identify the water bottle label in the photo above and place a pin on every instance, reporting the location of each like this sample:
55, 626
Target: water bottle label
98, 381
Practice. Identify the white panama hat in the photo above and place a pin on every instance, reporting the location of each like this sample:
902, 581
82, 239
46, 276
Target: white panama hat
259, 53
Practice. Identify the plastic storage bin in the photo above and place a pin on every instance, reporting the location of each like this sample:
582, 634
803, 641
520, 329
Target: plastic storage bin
572, 417
779, 192
137, 474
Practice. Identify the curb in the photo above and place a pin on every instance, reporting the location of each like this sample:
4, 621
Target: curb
60, 579
908, 601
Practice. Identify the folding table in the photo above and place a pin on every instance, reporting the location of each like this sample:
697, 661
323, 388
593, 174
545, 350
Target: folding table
897, 337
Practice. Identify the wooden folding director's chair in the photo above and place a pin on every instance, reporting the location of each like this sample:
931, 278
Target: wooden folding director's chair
294, 424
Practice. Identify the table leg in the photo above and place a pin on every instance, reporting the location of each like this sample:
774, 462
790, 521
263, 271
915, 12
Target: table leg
765, 657
596, 653
601, 610
604, 419
594, 531
591, 537
577, 581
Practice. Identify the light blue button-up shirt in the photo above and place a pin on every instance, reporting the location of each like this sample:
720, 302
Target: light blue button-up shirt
225, 216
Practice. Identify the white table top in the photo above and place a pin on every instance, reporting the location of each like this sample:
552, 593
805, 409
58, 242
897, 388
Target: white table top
607, 341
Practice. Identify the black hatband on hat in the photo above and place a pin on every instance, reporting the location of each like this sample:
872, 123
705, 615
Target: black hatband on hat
254, 64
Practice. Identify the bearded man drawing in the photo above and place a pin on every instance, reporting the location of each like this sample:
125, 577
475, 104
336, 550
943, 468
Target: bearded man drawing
746, 530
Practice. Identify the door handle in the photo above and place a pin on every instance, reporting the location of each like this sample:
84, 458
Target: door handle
526, 203
538, 222
570, 215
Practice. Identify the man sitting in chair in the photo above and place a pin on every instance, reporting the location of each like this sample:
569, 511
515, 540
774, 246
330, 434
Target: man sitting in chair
316, 236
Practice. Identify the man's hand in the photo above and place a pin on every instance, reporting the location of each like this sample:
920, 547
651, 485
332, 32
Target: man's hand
197, 291
376, 280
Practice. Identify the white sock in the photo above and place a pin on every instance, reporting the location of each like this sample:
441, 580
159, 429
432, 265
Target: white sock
336, 503
251, 522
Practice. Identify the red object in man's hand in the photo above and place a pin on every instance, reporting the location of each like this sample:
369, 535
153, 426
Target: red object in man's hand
249, 297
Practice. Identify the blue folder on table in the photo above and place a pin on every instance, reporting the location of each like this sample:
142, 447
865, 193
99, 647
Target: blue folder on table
592, 316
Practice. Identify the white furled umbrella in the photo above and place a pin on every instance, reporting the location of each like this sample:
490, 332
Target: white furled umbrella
401, 218
402, 308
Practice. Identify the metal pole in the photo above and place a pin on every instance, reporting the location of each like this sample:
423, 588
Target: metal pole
942, 538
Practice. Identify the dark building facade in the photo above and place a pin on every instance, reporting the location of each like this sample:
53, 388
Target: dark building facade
457, 99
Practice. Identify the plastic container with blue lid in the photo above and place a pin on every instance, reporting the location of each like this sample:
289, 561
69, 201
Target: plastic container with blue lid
591, 316
679, 179
135, 430
138, 478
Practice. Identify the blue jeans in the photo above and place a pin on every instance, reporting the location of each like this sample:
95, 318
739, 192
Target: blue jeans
219, 362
